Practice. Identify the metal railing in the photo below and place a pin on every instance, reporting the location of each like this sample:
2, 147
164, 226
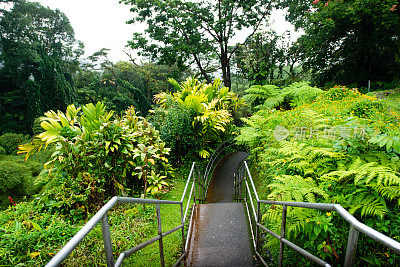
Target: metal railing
246, 191
101, 217
212, 163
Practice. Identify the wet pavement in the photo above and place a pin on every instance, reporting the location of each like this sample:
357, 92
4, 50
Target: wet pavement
220, 229
221, 189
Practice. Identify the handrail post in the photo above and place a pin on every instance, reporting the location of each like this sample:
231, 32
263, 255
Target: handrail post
160, 242
257, 227
183, 229
201, 191
283, 230
105, 230
234, 186
194, 184
351, 246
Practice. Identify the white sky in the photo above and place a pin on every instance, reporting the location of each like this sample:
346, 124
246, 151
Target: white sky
102, 23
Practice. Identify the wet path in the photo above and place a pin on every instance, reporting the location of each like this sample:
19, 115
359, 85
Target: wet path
221, 189
220, 232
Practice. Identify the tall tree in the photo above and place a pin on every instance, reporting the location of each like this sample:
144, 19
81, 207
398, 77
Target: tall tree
38, 53
196, 31
352, 41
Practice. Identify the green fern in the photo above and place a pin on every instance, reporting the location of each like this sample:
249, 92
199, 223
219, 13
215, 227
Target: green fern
373, 183
296, 188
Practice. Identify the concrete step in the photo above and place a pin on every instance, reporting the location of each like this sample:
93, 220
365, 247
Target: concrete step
220, 236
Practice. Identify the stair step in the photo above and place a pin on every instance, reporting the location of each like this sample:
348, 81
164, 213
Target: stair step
220, 236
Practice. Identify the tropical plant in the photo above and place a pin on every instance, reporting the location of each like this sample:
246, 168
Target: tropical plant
156, 183
211, 106
339, 147
270, 96
96, 157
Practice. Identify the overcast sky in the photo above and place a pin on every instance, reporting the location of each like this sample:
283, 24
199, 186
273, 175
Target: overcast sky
102, 23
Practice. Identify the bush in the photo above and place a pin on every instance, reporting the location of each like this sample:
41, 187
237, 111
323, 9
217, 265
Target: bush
111, 156
366, 108
326, 153
174, 125
15, 181
338, 93
11, 141
2, 151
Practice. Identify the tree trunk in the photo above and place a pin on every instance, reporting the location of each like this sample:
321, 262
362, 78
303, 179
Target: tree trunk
226, 71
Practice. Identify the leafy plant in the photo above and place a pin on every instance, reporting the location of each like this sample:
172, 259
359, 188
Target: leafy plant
211, 106
270, 96
322, 151
156, 183
11, 141
95, 157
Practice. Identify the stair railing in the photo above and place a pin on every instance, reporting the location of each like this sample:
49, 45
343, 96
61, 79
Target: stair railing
246, 191
212, 163
101, 217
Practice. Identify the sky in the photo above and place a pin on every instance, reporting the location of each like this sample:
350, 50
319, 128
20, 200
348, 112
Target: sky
102, 24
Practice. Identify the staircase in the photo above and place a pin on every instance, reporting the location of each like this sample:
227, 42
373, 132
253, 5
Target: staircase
221, 232
220, 228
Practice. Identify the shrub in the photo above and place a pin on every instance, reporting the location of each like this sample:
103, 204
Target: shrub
175, 127
15, 181
328, 154
366, 108
96, 157
338, 93
270, 96
2, 151
212, 106
11, 141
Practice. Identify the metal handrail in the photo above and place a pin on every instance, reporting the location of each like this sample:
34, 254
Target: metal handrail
243, 175
101, 216
212, 162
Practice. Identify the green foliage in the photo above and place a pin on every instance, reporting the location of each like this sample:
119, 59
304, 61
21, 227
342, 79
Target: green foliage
270, 96
15, 181
340, 147
354, 26
156, 183
96, 157
175, 126
366, 108
192, 20
210, 107
338, 93
31, 237
24, 231
11, 141
2, 151
38, 54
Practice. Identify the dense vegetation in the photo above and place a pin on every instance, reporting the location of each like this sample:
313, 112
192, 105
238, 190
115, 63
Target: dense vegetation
75, 131
337, 146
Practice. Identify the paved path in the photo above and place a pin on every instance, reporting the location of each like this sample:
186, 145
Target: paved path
221, 189
220, 231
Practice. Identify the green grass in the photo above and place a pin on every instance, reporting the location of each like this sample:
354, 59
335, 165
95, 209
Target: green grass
130, 225
394, 100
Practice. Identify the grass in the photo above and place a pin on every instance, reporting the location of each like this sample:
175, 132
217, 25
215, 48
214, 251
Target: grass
394, 100
130, 225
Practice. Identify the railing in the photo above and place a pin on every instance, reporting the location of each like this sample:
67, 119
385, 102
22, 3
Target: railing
243, 185
212, 162
101, 216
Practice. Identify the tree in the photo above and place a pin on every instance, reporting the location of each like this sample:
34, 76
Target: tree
349, 42
38, 53
197, 31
